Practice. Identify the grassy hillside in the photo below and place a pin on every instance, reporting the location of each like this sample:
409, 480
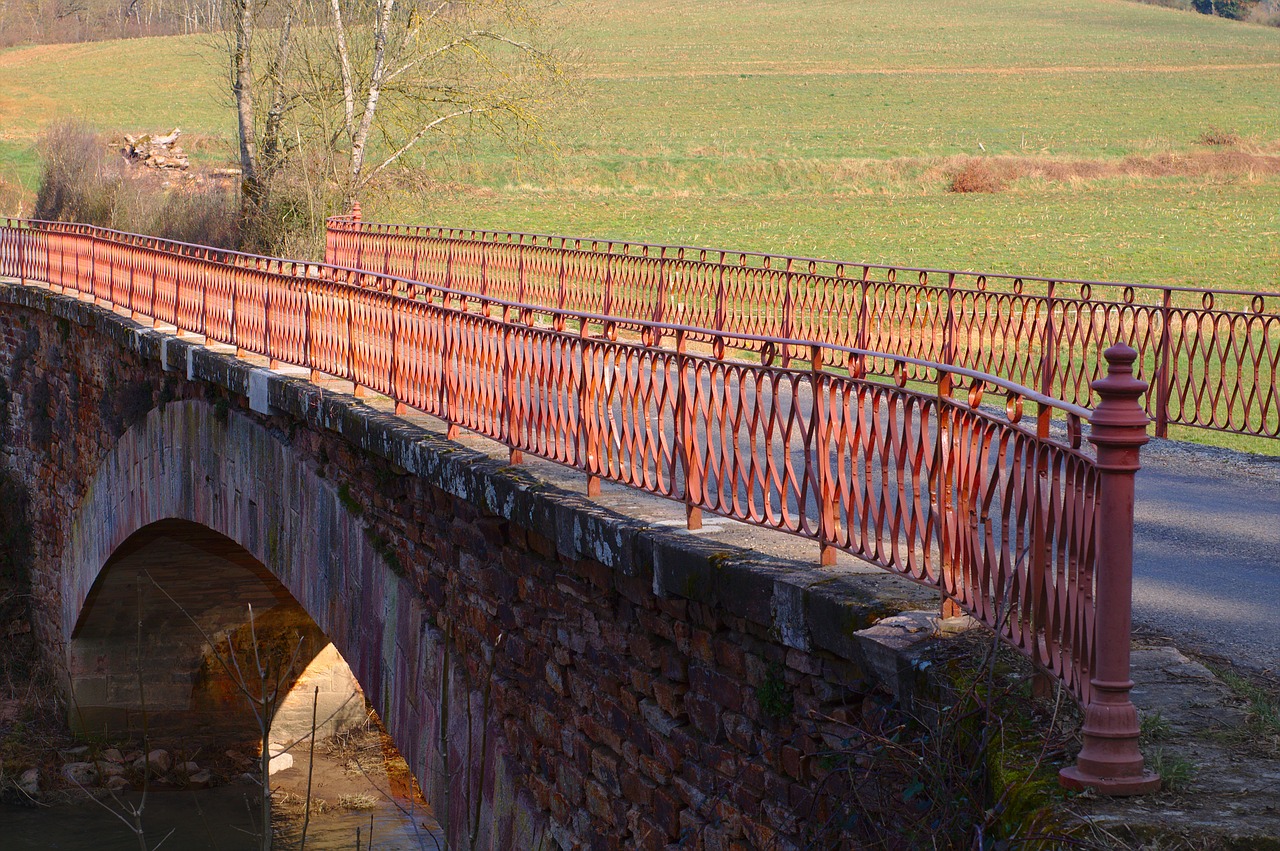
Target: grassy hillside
826, 127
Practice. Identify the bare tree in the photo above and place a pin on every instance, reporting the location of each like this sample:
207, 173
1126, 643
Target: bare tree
355, 85
260, 146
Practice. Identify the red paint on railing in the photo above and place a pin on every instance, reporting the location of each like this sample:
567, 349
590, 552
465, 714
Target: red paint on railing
1213, 355
1003, 520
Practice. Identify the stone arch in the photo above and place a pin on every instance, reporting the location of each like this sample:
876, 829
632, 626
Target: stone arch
174, 603
198, 462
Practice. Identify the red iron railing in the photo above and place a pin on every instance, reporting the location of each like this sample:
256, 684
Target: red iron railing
1028, 534
1211, 355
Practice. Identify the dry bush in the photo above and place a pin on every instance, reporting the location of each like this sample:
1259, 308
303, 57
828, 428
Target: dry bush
978, 175
204, 214
80, 182
1266, 13
84, 180
1218, 136
991, 174
13, 198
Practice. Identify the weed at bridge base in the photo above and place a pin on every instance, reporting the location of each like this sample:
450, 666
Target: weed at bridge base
973, 767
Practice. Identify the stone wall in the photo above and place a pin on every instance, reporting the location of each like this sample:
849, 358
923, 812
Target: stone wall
555, 675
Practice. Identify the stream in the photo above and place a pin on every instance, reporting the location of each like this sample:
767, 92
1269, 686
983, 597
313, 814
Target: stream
219, 819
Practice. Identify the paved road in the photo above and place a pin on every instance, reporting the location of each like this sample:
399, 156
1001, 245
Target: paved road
1207, 551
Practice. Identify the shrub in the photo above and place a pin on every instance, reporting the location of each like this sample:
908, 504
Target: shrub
977, 175
78, 182
1267, 13
206, 215
12, 198
82, 181
1218, 136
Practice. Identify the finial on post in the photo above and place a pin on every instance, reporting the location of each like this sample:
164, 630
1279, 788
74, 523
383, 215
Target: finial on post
355, 211
1110, 762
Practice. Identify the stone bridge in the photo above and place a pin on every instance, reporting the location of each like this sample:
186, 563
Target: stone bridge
554, 674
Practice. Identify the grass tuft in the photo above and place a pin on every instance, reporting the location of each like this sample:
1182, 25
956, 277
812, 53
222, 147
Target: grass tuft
1219, 137
1154, 728
1175, 771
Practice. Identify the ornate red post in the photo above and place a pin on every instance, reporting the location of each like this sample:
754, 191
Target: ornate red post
356, 237
1109, 762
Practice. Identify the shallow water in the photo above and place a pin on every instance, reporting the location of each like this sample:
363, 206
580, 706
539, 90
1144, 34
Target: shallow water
219, 819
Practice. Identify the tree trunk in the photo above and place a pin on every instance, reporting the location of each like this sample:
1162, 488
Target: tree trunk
251, 189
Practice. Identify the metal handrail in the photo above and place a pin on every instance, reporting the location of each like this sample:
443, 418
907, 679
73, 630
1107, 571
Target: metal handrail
1001, 519
1211, 364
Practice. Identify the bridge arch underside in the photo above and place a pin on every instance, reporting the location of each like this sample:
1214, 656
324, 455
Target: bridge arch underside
164, 643
222, 511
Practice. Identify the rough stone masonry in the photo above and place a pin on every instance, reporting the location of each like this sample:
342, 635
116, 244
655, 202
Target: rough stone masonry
554, 674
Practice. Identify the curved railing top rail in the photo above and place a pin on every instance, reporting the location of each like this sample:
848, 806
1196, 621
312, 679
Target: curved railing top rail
681, 252
978, 380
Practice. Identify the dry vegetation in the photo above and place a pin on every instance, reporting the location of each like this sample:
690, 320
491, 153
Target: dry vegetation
979, 175
86, 179
993, 174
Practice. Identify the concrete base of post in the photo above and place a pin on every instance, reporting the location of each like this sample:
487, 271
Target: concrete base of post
1110, 762
1072, 777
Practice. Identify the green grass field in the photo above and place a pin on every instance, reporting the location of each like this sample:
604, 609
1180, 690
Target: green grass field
818, 127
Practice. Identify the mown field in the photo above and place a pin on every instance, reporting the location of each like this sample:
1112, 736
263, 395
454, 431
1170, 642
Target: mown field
819, 127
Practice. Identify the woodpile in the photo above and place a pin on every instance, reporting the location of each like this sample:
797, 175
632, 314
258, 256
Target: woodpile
161, 152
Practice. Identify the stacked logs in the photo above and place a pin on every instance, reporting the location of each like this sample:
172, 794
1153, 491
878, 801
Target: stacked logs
161, 152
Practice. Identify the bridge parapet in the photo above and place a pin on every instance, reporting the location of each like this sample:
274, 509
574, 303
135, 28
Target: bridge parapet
1000, 519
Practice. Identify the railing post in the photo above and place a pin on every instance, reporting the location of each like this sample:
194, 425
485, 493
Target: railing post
355, 235
943, 488
827, 522
1163, 381
1049, 353
589, 445
788, 315
1110, 762
660, 303
948, 329
721, 310
448, 397
687, 439
562, 287
511, 398
864, 313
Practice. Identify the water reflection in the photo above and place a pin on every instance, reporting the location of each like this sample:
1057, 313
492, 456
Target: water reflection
220, 819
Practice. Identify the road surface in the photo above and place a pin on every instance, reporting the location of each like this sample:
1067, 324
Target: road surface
1207, 551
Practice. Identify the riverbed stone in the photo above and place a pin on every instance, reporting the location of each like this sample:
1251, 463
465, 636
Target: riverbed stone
81, 773
29, 781
159, 761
